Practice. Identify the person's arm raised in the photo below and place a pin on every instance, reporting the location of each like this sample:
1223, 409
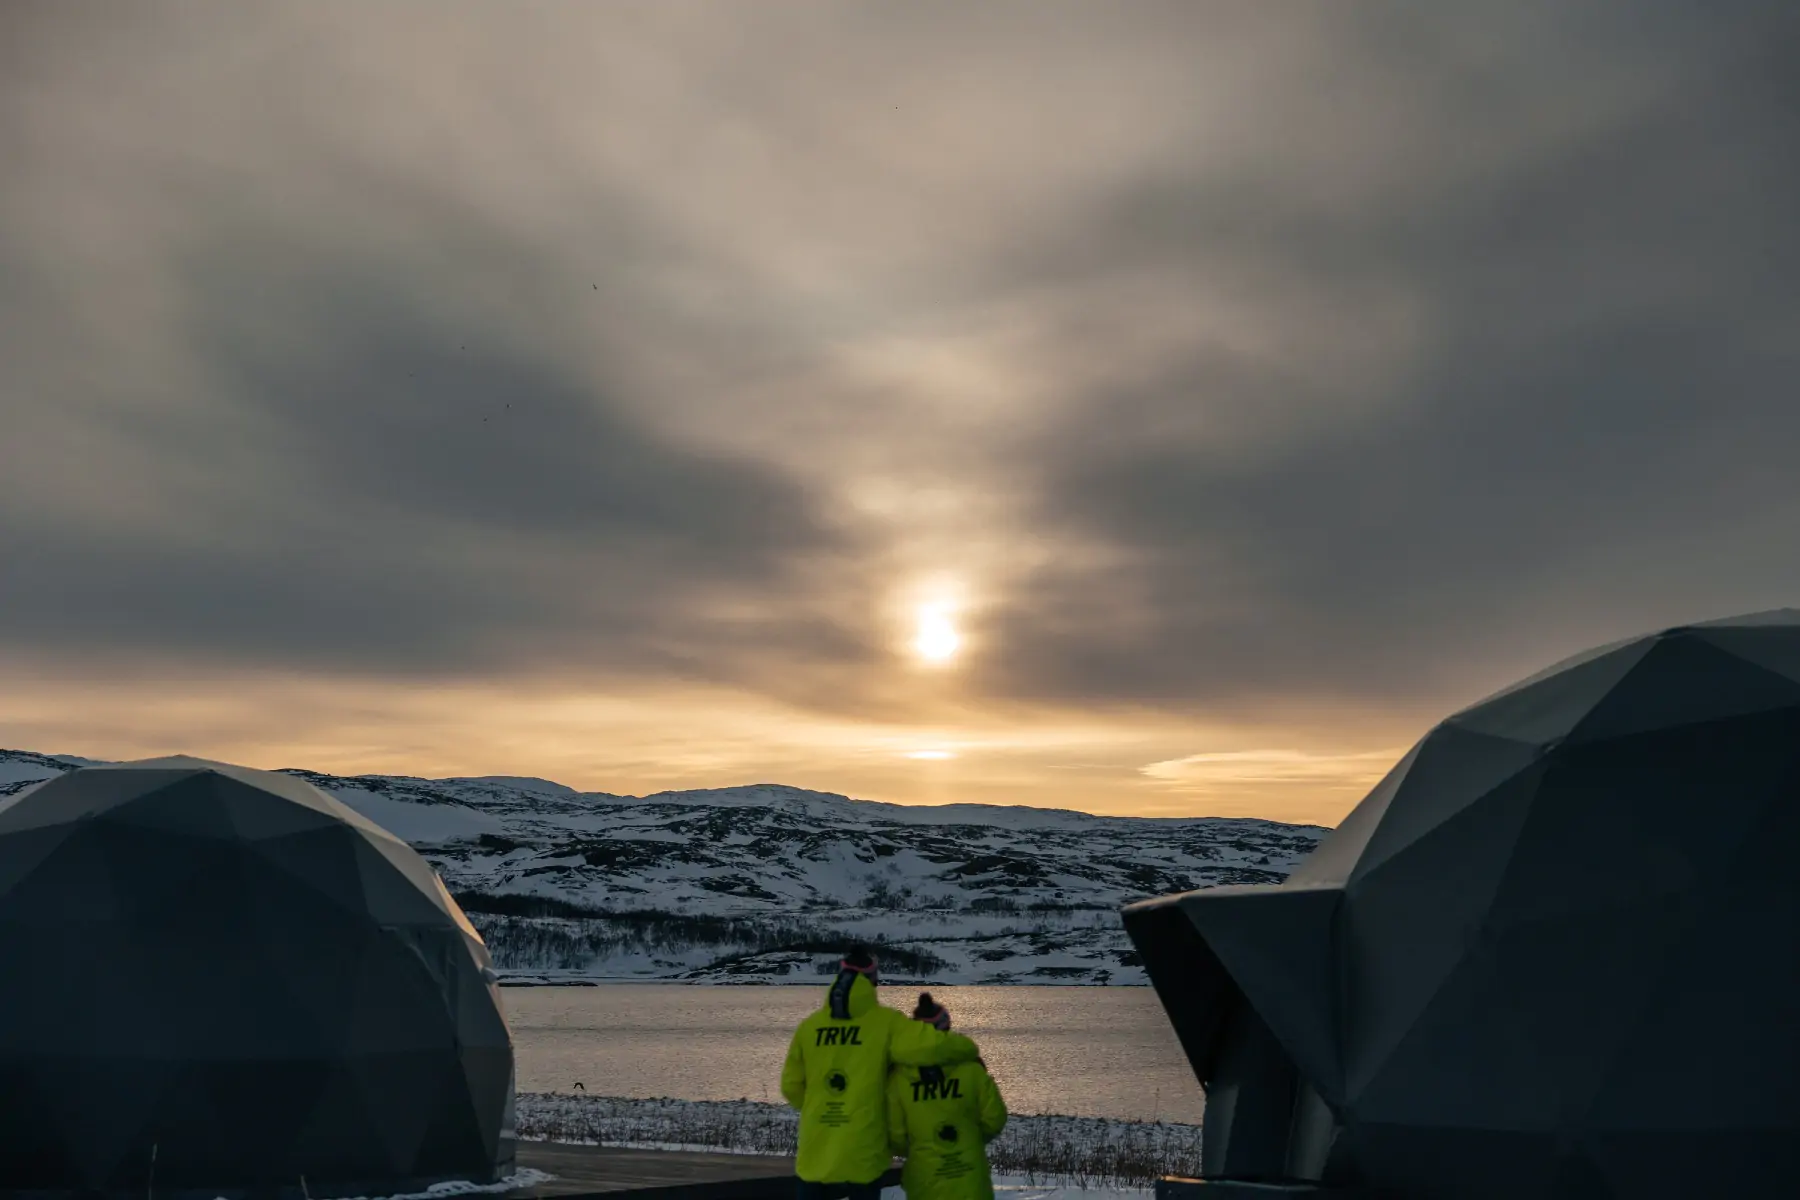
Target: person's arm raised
919, 1045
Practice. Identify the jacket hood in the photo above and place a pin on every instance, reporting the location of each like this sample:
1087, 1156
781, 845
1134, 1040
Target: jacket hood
861, 998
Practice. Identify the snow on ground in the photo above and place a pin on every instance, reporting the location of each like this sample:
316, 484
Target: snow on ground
426, 824
528, 1177
19, 769
1017, 1187
1036, 1150
767, 884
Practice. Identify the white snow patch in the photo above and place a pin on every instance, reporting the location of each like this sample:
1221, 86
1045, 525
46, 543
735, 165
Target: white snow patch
1017, 1187
523, 1178
419, 824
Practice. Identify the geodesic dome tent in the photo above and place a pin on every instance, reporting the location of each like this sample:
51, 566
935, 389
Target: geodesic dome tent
1554, 953
225, 982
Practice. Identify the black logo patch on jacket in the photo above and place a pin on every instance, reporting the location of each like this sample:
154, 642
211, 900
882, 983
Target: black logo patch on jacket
936, 1089
946, 1132
836, 1081
838, 1035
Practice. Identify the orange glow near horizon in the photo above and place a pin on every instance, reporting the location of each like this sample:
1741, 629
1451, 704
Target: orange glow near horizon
661, 739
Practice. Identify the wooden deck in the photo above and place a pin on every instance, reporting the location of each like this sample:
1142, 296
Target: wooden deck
655, 1174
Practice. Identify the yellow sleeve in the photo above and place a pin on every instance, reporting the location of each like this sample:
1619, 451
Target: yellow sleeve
993, 1108
917, 1044
793, 1074
896, 1114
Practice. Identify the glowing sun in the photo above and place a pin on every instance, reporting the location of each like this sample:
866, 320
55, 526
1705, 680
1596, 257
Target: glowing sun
935, 639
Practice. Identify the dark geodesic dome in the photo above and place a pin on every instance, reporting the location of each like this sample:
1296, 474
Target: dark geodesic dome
1555, 953
225, 982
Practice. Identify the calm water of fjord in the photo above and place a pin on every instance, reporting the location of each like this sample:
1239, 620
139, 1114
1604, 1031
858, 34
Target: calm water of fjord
1082, 1051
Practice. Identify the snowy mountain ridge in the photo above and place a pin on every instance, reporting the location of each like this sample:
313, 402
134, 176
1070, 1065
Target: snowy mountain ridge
763, 883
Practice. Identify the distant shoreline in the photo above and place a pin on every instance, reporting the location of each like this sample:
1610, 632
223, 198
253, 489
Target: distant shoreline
595, 981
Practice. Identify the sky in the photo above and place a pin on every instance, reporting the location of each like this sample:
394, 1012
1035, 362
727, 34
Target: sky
1144, 408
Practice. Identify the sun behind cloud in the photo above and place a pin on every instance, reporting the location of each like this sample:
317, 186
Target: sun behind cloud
935, 639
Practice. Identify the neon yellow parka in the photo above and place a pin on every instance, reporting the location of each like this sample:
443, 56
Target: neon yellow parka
940, 1118
836, 1074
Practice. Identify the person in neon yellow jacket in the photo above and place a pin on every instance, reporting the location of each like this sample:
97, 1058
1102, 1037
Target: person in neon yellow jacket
941, 1119
836, 1074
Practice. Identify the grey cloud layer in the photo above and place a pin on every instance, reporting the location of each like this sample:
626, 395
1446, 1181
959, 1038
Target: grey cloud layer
391, 493
1589, 424
1345, 351
372, 431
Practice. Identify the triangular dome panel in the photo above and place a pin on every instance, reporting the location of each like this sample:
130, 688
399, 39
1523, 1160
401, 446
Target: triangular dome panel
208, 939
1337, 855
1490, 1082
1278, 945
1685, 680
1454, 769
1548, 707
1405, 927
1772, 647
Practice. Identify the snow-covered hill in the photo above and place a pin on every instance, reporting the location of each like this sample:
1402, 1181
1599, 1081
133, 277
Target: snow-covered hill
765, 883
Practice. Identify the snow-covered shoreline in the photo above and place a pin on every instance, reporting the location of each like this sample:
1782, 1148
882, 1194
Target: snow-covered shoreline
1037, 1150
575, 979
1048, 946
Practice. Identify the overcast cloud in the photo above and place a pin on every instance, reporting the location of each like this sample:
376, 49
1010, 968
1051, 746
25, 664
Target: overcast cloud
1308, 367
